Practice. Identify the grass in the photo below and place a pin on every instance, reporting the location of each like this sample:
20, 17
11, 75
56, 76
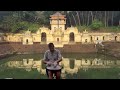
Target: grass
17, 73
93, 73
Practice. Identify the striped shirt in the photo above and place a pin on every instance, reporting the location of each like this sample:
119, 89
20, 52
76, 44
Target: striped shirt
56, 55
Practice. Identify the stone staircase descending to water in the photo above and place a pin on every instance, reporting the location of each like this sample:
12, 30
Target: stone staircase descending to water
41, 48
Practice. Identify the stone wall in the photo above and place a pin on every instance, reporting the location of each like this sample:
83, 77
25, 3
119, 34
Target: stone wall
41, 48
111, 48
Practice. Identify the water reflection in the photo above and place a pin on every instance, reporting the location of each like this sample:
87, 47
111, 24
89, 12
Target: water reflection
83, 63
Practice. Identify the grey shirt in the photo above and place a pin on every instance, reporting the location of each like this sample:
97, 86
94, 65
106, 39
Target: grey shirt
56, 55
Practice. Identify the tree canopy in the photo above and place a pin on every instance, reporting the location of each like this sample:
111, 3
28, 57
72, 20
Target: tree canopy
15, 21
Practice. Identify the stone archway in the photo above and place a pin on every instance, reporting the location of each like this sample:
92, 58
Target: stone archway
86, 40
97, 38
26, 41
43, 37
103, 38
115, 38
71, 37
91, 38
57, 39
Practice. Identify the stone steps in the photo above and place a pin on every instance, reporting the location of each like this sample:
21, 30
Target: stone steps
41, 48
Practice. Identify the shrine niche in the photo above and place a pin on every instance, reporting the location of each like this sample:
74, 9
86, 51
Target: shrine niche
71, 37
115, 38
43, 37
27, 38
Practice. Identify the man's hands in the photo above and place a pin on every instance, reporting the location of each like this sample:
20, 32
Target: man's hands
49, 63
55, 63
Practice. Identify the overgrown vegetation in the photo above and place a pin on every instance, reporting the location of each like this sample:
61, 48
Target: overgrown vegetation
16, 21
96, 25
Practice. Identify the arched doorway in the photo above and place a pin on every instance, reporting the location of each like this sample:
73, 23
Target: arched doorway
91, 39
85, 40
71, 37
115, 38
97, 38
57, 39
103, 38
26, 41
43, 37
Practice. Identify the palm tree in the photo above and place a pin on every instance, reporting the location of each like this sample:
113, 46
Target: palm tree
78, 18
74, 19
69, 17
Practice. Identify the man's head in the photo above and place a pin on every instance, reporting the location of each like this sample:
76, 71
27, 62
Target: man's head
51, 47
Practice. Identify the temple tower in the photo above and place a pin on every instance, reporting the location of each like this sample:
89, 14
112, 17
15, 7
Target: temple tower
57, 21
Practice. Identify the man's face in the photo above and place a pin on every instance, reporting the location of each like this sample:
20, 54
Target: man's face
51, 48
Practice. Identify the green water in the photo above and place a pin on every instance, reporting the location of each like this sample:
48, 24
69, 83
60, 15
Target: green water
75, 66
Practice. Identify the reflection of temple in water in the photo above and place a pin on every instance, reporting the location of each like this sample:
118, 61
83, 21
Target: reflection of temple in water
84, 64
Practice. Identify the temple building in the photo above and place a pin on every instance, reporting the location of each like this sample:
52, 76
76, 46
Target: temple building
59, 34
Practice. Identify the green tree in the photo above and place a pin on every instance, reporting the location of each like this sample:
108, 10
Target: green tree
9, 22
24, 25
96, 24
